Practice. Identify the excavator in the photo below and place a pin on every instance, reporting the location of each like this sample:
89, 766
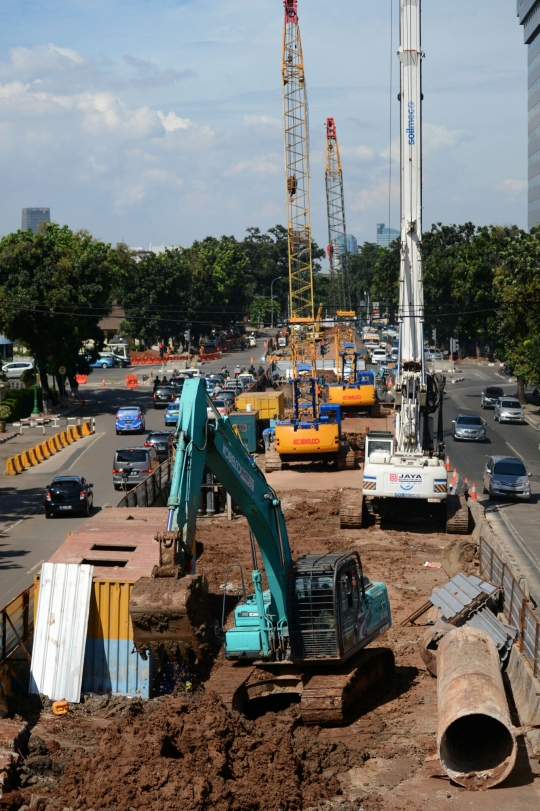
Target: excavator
405, 474
304, 634
355, 389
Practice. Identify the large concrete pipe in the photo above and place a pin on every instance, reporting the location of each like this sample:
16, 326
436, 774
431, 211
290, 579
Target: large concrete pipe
476, 740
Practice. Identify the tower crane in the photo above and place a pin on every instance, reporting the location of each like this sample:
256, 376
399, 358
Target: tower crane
337, 232
409, 465
295, 115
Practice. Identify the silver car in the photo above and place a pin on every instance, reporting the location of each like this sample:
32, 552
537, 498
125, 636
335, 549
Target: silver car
506, 476
16, 368
508, 409
469, 426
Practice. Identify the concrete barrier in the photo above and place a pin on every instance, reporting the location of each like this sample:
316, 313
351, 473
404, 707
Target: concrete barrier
39, 453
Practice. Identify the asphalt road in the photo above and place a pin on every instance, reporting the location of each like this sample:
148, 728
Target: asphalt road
27, 539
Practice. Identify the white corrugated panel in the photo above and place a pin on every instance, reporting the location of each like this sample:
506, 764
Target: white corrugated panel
61, 630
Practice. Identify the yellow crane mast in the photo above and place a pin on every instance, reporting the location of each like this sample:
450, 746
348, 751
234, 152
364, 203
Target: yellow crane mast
302, 310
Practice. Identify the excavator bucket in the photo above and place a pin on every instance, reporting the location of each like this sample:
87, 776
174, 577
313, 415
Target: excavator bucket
168, 615
168, 609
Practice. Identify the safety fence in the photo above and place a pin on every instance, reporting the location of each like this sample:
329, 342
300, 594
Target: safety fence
17, 624
517, 607
153, 491
44, 450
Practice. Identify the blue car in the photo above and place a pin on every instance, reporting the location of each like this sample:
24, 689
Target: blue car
129, 420
103, 363
171, 413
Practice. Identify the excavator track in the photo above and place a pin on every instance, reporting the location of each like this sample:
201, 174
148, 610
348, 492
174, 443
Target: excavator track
328, 696
351, 509
457, 515
272, 461
346, 458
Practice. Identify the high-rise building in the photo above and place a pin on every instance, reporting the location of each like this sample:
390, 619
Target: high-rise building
385, 235
352, 243
33, 217
529, 17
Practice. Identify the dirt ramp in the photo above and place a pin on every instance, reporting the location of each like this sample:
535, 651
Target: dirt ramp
193, 754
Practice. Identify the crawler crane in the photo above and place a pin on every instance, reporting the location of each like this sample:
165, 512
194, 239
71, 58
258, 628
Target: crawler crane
406, 473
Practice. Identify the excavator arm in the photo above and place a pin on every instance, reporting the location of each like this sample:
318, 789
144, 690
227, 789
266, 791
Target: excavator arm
202, 441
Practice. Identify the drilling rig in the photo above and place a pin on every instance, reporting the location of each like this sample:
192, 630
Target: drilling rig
405, 474
340, 296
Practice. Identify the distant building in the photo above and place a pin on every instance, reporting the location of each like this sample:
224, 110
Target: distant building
529, 17
352, 244
33, 217
385, 235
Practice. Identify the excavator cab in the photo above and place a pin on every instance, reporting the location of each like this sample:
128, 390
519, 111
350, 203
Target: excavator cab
335, 610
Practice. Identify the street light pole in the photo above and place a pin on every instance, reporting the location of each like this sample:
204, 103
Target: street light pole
36, 411
272, 301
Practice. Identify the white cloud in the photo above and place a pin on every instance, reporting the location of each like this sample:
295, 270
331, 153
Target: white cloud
261, 121
513, 190
362, 153
172, 122
128, 197
374, 197
262, 165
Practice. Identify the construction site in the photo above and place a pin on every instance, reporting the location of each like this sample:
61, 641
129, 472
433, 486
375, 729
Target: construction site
304, 607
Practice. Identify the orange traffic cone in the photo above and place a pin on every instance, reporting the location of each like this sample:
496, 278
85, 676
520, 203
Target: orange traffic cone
465, 483
251, 360
454, 478
103, 382
473, 492
448, 463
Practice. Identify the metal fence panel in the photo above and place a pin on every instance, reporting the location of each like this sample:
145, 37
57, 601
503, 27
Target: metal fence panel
149, 491
16, 622
516, 606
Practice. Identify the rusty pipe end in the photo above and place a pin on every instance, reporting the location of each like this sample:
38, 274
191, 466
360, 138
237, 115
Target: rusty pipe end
476, 739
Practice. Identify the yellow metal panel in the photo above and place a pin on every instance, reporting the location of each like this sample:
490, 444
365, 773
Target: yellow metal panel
362, 396
269, 404
324, 439
109, 609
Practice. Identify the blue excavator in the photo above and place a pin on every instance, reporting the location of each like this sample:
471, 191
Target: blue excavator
305, 634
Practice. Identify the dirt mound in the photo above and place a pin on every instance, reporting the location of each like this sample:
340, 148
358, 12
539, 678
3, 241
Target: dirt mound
194, 754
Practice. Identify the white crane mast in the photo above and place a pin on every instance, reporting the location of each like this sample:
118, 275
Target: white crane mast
411, 375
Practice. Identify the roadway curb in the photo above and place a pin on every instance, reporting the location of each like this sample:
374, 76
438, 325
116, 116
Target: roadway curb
8, 437
533, 422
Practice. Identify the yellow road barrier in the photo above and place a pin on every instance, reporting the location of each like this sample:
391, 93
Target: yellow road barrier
25, 457
51, 444
39, 453
58, 445
32, 456
10, 467
45, 449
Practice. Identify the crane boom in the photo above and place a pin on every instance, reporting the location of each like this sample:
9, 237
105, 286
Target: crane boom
411, 292
295, 115
337, 232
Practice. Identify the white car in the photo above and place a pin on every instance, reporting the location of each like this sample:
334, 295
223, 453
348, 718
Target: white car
17, 367
379, 356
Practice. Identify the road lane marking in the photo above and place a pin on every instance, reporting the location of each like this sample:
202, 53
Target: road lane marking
79, 457
517, 454
35, 567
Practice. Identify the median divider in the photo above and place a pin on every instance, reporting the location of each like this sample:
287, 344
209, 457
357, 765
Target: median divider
44, 450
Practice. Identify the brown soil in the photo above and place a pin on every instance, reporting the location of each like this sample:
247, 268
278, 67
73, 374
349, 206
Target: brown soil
189, 752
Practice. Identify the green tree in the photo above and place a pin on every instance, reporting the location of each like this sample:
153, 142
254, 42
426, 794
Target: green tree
55, 286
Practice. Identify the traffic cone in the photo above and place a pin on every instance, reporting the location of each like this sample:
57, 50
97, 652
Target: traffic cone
103, 382
473, 492
251, 360
465, 483
448, 464
454, 479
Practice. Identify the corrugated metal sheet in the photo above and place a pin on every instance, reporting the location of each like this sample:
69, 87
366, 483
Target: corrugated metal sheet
455, 595
61, 630
111, 663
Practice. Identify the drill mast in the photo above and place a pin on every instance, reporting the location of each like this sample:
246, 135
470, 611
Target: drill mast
340, 296
297, 171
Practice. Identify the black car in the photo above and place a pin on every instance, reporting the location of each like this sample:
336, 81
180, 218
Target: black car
490, 395
161, 441
68, 495
163, 396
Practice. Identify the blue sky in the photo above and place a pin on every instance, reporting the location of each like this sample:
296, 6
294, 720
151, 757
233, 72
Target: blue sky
160, 120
